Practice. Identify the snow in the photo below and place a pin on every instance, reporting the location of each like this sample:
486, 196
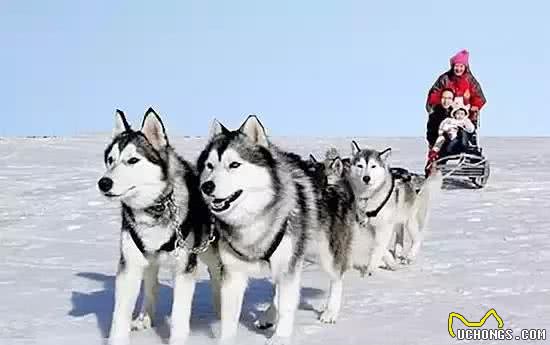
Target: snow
485, 249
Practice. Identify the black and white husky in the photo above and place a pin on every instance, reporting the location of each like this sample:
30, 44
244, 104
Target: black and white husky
342, 243
387, 206
164, 220
264, 206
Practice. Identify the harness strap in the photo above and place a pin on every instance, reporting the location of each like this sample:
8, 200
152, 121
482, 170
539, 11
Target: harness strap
160, 207
168, 246
272, 248
373, 214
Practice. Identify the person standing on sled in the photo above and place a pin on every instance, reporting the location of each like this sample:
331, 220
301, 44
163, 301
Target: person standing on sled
460, 79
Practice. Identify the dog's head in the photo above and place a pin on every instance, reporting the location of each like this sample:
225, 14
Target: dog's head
335, 170
136, 162
368, 169
238, 172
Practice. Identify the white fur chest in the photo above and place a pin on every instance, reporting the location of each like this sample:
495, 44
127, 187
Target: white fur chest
152, 236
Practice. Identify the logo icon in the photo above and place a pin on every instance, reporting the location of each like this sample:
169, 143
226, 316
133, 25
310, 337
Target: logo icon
467, 323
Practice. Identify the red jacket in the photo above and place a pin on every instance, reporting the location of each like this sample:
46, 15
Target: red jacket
459, 85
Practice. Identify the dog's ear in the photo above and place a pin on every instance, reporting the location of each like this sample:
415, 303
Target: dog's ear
255, 131
386, 154
312, 158
121, 125
153, 129
347, 163
337, 166
354, 148
217, 128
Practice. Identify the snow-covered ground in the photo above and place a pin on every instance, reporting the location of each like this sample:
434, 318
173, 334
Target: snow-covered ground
485, 249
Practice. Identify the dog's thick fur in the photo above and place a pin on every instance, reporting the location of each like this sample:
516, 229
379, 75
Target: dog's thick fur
263, 200
340, 242
403, 209
159, 195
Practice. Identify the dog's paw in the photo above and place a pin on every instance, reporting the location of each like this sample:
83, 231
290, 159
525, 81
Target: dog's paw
278, 340
407, 259
328, 316
394, 266
143, 321
267, 319
371, 270
263, 324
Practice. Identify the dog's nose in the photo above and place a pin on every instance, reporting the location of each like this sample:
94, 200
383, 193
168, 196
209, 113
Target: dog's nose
366, 179
105, 184
208, 187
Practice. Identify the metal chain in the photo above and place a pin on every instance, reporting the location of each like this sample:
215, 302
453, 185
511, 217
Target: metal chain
182, 244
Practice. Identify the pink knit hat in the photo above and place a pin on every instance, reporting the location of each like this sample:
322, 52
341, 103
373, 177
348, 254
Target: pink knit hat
460, 57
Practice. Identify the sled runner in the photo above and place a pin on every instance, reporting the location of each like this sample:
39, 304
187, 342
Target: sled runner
470, 165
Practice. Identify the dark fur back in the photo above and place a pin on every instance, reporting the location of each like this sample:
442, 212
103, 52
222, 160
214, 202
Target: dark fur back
337, 205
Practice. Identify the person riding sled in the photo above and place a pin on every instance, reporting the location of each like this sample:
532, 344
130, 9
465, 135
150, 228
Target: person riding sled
461, 81
453, 134
440, 112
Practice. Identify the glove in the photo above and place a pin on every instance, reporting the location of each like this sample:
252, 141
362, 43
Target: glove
433, 155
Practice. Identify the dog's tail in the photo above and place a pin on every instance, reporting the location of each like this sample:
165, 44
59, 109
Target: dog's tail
429, 191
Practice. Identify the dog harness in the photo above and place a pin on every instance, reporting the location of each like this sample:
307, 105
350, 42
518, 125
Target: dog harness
374, 213
272, 248
181, 229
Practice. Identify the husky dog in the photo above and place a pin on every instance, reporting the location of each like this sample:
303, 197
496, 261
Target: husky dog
264, 206
339, 237
386, 205
162, 212
342, 243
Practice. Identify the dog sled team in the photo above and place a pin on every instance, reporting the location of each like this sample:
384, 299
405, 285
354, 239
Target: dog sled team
247, 208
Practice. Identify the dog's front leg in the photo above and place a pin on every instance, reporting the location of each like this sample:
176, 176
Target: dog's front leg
382, 236
399, 244
268, 318
232, 292
413, 229
334, 301
215, 286
184, 287
150, 286
127, 286
288, 299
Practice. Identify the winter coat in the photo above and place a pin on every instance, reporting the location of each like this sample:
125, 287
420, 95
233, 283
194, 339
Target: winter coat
436, 117
459, 84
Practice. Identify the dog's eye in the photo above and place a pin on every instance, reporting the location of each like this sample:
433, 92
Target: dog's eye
133, 160
373, 166
234, 165
360, 166
110, 160
209, 166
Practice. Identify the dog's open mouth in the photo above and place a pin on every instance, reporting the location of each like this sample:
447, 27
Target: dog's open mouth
220, 205
112, 195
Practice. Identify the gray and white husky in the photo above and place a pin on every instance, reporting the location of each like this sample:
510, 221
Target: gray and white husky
264, 206
386, 205
164, 220
342, 243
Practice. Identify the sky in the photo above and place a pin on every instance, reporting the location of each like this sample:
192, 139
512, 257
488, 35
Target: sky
306, 68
